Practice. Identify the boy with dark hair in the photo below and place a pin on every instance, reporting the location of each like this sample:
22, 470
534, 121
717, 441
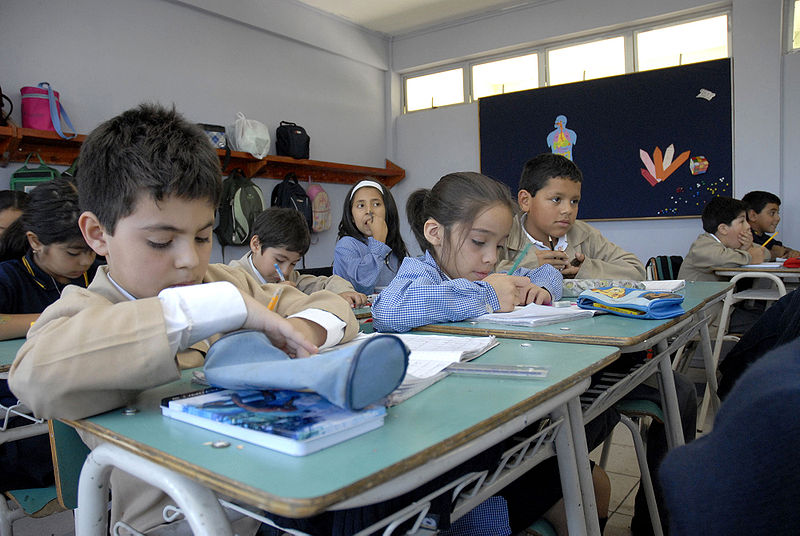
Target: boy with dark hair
280, 239
727, 241
547, 230
763, 215
149, 186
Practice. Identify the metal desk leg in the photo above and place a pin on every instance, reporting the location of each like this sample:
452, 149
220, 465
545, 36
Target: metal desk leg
570, 479
669, 398
199, 505
584, 469
710, 362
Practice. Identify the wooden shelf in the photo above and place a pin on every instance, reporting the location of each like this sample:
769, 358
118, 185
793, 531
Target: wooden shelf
16, 143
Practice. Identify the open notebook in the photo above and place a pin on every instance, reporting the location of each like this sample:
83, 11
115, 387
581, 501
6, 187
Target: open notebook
535, 315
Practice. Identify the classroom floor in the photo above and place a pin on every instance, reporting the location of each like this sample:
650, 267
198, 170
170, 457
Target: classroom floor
622, 470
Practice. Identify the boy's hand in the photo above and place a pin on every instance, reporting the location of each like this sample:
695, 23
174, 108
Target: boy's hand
283, 333
356, 299
535, 294
378, 228
757, 253
746, 239
558, 259
574, 266
510, 289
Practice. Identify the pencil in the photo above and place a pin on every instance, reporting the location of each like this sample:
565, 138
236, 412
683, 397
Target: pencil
519, 258
770, 238
278, 269
273, 302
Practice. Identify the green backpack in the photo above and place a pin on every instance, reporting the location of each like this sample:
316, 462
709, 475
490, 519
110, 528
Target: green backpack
241, 202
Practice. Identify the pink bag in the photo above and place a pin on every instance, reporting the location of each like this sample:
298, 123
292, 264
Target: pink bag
42, 110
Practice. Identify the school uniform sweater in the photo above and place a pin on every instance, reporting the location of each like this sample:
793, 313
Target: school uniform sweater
94, 350
366, 266
26, 289
708, 251
604, 259
423, 294
306, 282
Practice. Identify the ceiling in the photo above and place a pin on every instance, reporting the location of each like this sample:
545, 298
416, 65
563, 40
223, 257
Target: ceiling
397, 17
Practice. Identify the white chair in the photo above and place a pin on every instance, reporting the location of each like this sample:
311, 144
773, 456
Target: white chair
776, 290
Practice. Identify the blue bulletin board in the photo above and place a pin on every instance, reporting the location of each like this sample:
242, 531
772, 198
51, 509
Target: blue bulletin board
654, 144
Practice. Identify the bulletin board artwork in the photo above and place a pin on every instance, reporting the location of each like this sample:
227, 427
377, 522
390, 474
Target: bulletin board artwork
655, 144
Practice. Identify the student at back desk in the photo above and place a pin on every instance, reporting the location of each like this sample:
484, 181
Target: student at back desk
763, 215
149, 185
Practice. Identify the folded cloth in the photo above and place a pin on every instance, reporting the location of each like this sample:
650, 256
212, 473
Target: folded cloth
351, 377
632, 302
792, 262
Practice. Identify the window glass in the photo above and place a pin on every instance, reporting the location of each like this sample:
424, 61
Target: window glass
505, 76
691, 42
796, 25
437, 89
586, 61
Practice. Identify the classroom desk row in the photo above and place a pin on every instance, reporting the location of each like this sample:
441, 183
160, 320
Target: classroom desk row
422, 438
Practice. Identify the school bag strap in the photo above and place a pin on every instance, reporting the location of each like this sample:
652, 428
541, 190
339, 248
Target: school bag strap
55, 106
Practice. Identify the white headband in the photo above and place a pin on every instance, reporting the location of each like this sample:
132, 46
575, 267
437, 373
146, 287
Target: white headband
366, 184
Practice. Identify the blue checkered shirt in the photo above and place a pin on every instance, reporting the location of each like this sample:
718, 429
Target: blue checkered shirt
422, 294
366, 266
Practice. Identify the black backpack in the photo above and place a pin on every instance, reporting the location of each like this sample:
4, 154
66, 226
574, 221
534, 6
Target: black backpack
291, 140
241, 202
289, 194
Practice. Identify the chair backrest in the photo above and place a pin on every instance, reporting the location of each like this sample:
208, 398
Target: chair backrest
663, 267
69, 452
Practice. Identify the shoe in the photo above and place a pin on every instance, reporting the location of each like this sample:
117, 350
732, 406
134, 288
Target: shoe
352, 377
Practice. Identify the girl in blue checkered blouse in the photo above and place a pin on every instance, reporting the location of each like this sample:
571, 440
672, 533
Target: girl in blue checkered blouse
459, 224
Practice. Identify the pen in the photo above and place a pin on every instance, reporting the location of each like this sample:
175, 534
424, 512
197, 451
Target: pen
278, 269
519, 258
768, 239
273, 302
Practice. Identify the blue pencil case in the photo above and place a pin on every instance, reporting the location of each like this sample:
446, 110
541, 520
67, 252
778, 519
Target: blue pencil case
631, 302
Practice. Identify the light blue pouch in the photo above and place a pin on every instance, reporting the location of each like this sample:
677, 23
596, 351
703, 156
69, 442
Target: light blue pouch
635, 303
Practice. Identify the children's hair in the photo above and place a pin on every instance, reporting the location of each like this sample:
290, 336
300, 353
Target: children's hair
13, 199
149, 150
721, 210
457, 198
541, 168
757, 200
52, 214
347, 227
278, 227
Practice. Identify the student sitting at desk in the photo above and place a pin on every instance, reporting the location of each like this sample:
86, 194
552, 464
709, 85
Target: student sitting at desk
763, 215
547, 232
280, 238
149, 185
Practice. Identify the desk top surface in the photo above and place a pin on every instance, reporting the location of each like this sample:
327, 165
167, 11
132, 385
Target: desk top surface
604, 329
448, 415
769, 268
8, 351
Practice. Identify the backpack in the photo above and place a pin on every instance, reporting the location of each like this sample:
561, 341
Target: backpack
320, 208
241, 202
289, 194
664, 267
291, 140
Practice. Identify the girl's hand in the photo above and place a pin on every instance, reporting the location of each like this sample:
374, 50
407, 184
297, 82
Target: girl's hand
510, 289
535, 294
378, 228
356, 299
558, 259
294, 339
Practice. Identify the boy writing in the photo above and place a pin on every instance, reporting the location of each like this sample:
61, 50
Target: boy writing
763, 215
727, 241
547, 231
150, 183
280, 238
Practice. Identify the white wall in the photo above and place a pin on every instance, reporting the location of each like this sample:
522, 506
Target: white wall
431, 143
105, 56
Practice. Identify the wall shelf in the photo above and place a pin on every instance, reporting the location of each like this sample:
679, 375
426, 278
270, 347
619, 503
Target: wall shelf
16, 143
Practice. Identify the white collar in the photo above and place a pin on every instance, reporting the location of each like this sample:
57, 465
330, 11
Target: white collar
715, 237
561, 244
255, 270
124, 292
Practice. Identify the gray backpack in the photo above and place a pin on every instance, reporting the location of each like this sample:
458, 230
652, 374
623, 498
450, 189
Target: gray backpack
241, 202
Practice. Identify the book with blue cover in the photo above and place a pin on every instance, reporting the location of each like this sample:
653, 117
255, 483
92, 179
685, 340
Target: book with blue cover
634, 303
293, 422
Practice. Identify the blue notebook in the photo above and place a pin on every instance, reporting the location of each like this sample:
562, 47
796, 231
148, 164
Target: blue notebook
635, 303
293, 422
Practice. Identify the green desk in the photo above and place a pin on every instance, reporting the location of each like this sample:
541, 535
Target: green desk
630, 335
8, 351
422, 438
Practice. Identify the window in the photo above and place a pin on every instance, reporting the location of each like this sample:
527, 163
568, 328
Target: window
679, 44
505, 76
589, 60
796, 25
437, 89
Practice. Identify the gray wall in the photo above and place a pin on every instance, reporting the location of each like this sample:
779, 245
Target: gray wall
431, 143
105, 56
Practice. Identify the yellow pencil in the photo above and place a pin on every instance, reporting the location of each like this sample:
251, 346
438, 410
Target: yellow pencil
273, 302
770, 238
